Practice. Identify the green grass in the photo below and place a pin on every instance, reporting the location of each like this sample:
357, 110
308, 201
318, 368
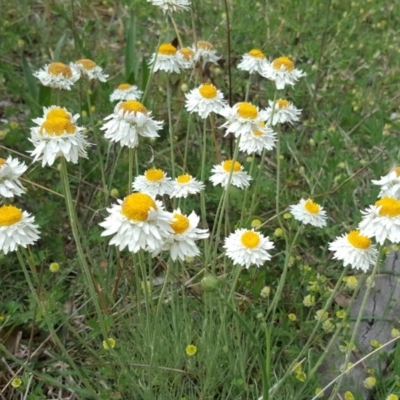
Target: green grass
346, 137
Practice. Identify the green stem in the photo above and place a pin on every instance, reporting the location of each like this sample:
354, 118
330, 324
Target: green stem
131, 156
170, 128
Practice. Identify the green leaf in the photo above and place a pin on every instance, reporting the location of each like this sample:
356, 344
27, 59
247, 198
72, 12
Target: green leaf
57, 50
30, 79
130, 53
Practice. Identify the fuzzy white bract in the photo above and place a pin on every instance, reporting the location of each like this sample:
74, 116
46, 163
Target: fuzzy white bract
130, 120
308, 212
171, 5
125, 91
243, 118
260, 138
10, 170
222, 174
186, 57
58, 75
89, 68
253, 61
154, 182
165, 59
57, 135
205, 52
205, 100
185, 184
283, 111
355, 250
181, 243
382, 220
282, 71
138, 222
390, 184
248, 247
17, 228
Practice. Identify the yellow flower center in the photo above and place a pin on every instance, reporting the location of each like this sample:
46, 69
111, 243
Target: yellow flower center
58, 112
130, 106
397, 170
187, 53
183, 178
86, 63
250, 239
311, 207
57, 126
281, 103
286, 62
390, 207
154, 175
136, 206
247, 110
227, 166
167, 49
256, 53
257, 133
204, 45
2, 162
124, 86
9, 215
59, 68
358, 241
208, 91
180, 223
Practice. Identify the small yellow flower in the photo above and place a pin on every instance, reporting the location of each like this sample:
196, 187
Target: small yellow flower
328, 326
348, 396
395, 333
309, 300
255, 223
321, 315
375, 344
265, 292
292, 317
370, 382
392, 397
191, 350
16, 382
341, 314
14, 125
109, 343
114, 193
287, 216
307, 268
145, 286
351, 282
54, 267
278, 232
301, 376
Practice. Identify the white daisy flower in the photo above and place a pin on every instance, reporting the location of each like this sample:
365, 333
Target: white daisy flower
181, 243
16, 229
10, 170
58, 75
222, 172
253, 61
282, 72
154, 182
284, 111
204, 100
243, 118
171, 5
138, 222
91, 70
125, 91
185, 185
205, 52
308, 212
247, 247
165, 59
260, 138
186, 57
57, 135
355, 250
390, 184
129, 120
382, 220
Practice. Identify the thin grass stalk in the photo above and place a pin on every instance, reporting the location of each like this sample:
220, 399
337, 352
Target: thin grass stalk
170, 128
94, 291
